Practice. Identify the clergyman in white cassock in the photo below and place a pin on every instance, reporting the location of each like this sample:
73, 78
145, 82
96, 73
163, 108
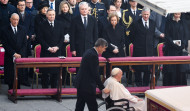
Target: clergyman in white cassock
118, 91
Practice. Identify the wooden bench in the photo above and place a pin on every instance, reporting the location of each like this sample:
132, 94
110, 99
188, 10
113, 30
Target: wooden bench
125, 61
73, 91
45, 62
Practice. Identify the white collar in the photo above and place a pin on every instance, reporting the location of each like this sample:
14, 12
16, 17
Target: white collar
133, 10
51, 22
13, 27
96, 2
146, 22
95, 50
83, 16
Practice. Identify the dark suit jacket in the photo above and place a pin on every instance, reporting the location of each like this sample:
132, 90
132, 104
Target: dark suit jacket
27, 22
83, 38
13, 43
142, 39
88, 75
57, 2
49, 37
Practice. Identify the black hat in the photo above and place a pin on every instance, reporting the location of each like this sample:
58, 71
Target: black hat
42, 5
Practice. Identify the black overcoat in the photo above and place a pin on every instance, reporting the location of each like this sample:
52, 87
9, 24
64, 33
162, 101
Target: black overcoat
50, 37
116, 37
83, 38
143, 40
13, 43
88, 75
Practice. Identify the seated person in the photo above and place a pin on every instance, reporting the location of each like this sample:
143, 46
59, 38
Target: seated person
118, 91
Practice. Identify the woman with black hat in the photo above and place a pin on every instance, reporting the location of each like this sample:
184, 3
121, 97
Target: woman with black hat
41, 16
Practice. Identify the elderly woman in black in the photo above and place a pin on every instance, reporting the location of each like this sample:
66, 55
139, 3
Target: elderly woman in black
114, 34
176, 43
41, 16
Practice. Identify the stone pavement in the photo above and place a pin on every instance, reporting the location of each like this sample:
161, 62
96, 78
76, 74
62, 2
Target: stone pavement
44, 103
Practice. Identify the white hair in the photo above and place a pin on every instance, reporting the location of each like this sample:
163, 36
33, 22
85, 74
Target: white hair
14, 14
115, 71
83, 3
146, 9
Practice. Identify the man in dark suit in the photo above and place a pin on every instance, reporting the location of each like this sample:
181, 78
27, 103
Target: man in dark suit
26, 20
54, 4
142, 37
129, 16
84, 31
14, 42
51, 37
88, 77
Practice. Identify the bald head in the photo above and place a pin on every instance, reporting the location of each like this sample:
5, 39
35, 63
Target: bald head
14, 19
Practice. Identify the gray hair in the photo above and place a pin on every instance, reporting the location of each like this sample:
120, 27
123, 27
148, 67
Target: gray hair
146, 9
83, 3
115, 71
101, 42
114, 14
14, 15
50, 10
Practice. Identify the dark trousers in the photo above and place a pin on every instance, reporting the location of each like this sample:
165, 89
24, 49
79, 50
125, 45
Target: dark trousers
89, 99
53, 80
142, 82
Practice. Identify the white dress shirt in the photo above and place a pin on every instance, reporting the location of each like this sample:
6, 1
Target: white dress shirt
51, 22
83, 19
133, 11
147, 22
53, 4
13, 28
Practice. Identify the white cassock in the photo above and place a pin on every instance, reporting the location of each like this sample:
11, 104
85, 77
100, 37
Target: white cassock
118, 91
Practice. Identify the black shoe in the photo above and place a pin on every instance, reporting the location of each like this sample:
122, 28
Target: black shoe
138, 84
26, 83
53, 96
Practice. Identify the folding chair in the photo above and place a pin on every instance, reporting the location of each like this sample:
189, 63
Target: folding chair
2, 53
70, 70
37, 51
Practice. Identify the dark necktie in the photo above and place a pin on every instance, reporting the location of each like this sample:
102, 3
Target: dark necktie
85, 23
51, 24
15, 30
134, 13
146, 25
